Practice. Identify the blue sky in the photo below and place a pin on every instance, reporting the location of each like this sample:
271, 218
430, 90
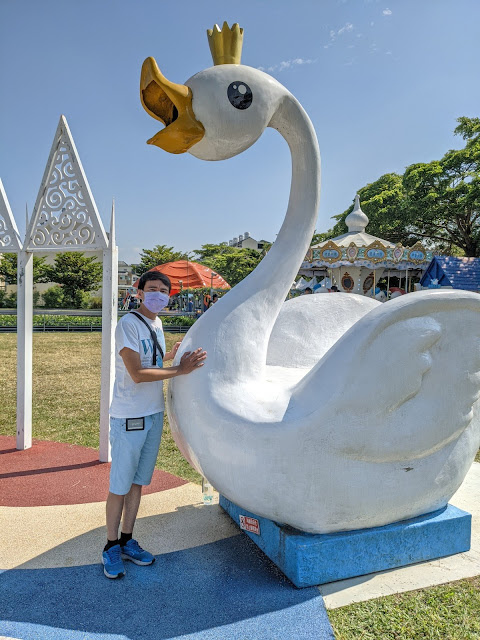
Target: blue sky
382, 80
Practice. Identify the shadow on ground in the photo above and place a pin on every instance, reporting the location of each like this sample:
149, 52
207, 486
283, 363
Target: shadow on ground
225, 590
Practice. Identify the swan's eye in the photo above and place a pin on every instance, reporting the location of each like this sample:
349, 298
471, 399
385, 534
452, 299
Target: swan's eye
240, 95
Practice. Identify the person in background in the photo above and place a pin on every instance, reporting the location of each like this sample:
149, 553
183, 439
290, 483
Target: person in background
136, 416
212, 301
307, 290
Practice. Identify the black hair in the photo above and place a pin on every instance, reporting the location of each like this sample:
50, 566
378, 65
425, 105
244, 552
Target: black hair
215, 295
154, 275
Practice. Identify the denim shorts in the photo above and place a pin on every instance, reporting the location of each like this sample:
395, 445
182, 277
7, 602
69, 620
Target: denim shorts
134, 452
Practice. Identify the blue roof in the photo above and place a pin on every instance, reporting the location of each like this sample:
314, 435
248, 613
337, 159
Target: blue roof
459, 273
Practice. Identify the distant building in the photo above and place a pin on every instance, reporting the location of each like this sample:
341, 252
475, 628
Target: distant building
126, 274
245, 241
449, 271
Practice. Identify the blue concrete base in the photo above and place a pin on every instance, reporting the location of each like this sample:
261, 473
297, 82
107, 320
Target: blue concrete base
312, 559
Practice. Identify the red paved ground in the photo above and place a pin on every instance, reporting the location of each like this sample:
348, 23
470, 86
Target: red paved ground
56, 473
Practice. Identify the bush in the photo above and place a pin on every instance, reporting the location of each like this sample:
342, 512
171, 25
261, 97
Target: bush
79, 300
62, 321
8, 321
85, 321
8, 301
53, 297
95, 302
183, 321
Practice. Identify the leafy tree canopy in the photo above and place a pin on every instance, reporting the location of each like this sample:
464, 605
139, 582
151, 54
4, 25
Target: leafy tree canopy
436, 202
232, 263
8, 268
382, 201
160, 254
321, 237
443, 196
77, 274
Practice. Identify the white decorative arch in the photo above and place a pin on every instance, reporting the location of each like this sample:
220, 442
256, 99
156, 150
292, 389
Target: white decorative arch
65, 215
9, 237
65, 218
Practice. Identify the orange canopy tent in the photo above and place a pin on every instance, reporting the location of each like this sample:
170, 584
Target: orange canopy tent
192, 274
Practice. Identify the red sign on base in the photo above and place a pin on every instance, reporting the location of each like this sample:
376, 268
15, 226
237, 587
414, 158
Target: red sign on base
249, 524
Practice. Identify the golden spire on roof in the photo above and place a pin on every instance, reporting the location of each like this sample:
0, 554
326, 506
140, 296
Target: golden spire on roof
226, 43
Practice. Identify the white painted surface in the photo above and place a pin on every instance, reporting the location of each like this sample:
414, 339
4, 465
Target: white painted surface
65, 216
9, 237
381, 428
10, 242
109, 323
24, 349
309, 325
424, 574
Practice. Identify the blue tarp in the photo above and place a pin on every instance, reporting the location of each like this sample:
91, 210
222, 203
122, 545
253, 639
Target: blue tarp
459, 273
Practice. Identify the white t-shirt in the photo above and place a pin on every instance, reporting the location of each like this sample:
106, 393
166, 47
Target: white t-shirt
130, 399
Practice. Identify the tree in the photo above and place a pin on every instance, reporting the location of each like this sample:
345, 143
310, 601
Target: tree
437, 203
160, 254
232, 263
383, 201
443, 196
77, 274
321, 237
266, 246
136, 269
8, 268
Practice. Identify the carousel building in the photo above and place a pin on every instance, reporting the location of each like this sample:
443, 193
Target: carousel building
356, 261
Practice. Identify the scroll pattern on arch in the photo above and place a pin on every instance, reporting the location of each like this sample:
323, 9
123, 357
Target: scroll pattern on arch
6, 238
9, 238
65, 215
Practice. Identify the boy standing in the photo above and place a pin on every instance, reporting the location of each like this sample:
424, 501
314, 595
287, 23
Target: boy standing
138, 391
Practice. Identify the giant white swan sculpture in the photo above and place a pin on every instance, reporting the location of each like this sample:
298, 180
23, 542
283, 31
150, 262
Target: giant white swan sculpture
367, 418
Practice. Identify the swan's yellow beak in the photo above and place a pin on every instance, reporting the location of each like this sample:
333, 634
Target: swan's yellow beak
171, 104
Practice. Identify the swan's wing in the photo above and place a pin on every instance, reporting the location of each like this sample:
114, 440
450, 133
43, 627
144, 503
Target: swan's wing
308, 326
402, 382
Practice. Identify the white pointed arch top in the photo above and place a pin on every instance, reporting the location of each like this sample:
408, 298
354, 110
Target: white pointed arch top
9, 238
65, 216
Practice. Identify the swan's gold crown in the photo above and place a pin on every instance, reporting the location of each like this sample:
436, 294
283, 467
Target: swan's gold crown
226, 43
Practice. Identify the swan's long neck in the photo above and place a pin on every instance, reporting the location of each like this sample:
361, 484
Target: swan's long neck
242, 321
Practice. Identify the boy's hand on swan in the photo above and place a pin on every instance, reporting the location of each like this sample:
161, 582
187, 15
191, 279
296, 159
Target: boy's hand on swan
192, 360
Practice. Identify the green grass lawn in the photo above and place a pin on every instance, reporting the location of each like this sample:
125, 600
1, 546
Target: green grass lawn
447, 612
66, 398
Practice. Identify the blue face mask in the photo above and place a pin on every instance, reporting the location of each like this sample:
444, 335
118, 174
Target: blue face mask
155, 301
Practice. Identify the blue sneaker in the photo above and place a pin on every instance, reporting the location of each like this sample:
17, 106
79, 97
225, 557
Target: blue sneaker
133, 551
113, 566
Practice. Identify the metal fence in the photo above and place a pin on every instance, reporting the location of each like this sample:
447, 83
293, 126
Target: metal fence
89, 328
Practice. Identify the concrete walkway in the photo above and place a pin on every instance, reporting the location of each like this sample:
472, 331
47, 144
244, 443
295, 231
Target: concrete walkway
208, 581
